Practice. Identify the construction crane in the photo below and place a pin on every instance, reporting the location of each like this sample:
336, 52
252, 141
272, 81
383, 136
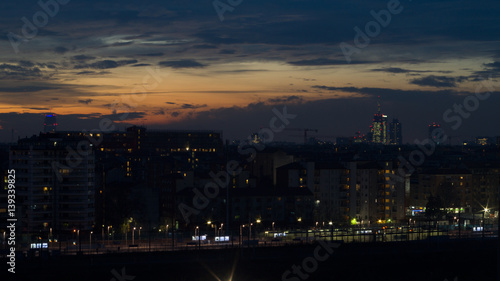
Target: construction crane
305, 130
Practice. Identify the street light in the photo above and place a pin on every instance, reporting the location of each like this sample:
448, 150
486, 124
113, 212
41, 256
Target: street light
140, 234
90, 247
258, 221
133, 232
484, 211
273, 226
77, 235
250, 232
241, 234
209, 225
199, 237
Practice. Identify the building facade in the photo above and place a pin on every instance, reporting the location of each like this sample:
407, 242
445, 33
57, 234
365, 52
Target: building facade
55, 183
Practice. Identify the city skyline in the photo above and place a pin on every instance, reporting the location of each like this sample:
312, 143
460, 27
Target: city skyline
87, 62
250, 140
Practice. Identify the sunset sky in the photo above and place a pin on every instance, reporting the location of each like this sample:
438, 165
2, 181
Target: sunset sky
89, 58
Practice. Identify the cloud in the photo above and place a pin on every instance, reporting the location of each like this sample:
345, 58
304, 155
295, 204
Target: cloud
169, 102
227, 52
159, 54
60, 50
403, 70
286, 99
495, 66
159, 112
105, 64
125, 116
39, 108
25, 63
205, 46
299, 33
182, 64
27, 88
394, 70
89, 72
192, 106
398, 95
19, 72
174, 114
241, 70
438, 81
119, 44
82, 57
87, 101
489, 70
323, 61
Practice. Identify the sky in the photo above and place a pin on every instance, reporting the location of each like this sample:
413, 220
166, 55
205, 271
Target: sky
225, 65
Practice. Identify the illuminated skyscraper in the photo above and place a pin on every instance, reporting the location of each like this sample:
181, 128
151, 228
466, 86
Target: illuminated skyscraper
395, 133
379, 130
50, 123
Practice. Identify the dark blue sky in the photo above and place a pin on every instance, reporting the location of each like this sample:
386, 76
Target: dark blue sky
83, 59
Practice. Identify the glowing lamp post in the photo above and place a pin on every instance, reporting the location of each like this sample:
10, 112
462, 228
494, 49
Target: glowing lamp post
133, 232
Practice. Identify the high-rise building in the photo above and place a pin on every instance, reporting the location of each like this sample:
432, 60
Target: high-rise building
379, 130
55, 183
50, 123
432, 135
376, 197
395, 133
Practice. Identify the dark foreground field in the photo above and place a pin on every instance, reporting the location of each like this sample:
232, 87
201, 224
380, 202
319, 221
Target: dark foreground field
423, 260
